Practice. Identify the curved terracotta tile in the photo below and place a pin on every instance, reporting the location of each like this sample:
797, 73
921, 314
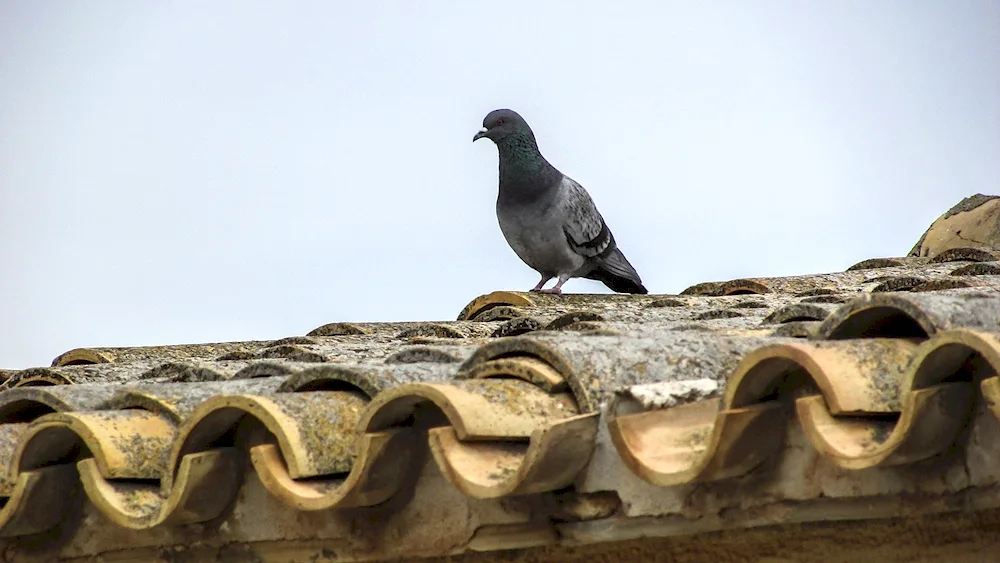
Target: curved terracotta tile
18, 407
78, 356
267, 368
38, 500
898, 283
857, 379
966, 254
943, 284
484, 409
420, 354
947, 353
153, 354
929, 421
596, 366
37, 377
50, 442
323, 377
195, 371
953, 351
854, 377
991, 392
742, 287
316, 461
529, 369
203, 485
557, 366
553, 456
315, 431
369, 379
195, 489
517, 326
566, 319
490, 300
11, 434
178, 402
977, 269
500, 313
875, 263
703, 288
714, 314
798, 312
931, 414
79, 374
24, 404
338, 329
130, 444
292, 341
429, 330
292, 352
911, 315
379, 467
698, 441
796, 329
869, 402
522, 348
504, 436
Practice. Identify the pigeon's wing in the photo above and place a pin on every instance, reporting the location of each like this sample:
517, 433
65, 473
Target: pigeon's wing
585, 229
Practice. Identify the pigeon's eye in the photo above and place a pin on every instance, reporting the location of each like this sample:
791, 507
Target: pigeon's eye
499, 122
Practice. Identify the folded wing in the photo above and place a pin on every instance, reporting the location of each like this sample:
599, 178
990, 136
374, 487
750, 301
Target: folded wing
585, 229
588, 235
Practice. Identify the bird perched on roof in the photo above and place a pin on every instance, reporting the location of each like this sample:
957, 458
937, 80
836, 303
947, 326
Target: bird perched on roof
548, 218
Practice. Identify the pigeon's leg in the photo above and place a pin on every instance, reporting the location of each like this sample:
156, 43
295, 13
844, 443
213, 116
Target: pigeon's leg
538, 287
557, 288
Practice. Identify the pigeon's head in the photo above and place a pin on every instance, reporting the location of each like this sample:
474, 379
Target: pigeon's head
502, 123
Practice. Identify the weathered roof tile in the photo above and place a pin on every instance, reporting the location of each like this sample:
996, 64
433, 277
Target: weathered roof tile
697, 411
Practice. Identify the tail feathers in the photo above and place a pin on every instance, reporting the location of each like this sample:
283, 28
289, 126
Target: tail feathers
614, 271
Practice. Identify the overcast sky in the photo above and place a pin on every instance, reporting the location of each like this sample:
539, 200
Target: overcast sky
178, 172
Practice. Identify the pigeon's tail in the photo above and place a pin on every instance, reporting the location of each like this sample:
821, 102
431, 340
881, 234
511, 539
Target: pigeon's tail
614, 271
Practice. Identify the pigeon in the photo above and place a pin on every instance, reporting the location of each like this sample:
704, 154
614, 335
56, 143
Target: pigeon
548, 218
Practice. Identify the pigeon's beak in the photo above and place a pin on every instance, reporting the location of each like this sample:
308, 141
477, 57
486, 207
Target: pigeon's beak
482, 133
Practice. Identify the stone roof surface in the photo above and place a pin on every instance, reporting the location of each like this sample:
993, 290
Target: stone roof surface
531, 421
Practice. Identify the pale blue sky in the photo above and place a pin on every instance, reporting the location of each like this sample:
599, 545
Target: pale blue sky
205, 171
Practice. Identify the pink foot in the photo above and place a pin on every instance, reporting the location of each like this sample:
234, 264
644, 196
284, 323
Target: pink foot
554, 290
538, 287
